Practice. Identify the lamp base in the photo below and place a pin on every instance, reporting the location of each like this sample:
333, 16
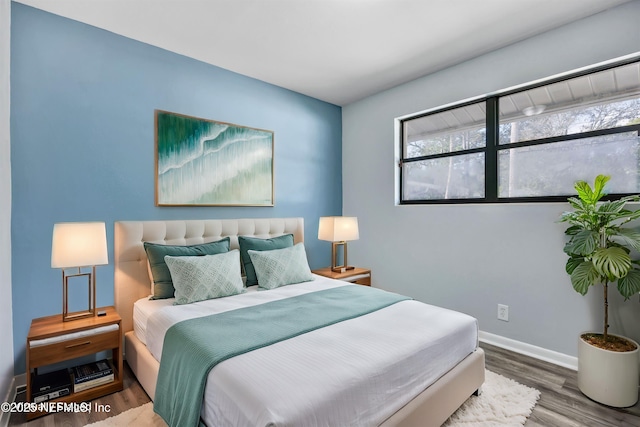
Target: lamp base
342, 268
334, 258
66, 317
91, 291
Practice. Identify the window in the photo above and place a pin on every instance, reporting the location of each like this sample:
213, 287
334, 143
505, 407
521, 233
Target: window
527, 145
447, 154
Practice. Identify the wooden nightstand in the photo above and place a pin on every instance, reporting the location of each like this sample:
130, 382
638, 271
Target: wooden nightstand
86, 336
361, 276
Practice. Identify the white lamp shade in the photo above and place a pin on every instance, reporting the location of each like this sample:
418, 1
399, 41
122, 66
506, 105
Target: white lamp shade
79, 244
338, 228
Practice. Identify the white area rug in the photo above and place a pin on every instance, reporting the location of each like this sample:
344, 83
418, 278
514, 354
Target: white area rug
142, 416
503, 402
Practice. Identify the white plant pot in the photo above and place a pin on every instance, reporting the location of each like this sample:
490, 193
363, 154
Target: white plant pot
608, 377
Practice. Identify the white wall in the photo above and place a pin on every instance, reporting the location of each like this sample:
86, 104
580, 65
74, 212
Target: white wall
472, 257
6, 322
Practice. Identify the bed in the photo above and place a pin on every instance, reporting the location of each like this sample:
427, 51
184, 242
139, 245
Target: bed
437, 390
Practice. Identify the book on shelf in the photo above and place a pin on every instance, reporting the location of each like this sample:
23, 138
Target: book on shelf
50, 385
93, 383
54, 394
91, 371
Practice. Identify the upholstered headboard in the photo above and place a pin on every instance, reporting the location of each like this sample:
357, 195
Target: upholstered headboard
131, 278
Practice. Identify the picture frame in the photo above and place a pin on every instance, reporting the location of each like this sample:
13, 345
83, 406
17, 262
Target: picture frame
202, 162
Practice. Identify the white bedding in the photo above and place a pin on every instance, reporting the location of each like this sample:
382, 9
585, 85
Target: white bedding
142, 309
356, 372
145, 307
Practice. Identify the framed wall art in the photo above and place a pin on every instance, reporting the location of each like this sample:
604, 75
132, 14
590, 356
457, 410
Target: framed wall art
202, 162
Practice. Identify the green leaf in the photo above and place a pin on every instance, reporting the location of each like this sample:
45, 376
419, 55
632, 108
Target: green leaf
614, 244
584, 276
629, 237
630, 216
609, 207
577, 204
629, 285
573, 230
598, 186
613, 263
572, 263
583, 243
584, 191
592, 196
568, 216
632, 198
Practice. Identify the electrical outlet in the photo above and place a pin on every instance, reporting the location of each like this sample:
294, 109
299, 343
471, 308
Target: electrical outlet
503, 312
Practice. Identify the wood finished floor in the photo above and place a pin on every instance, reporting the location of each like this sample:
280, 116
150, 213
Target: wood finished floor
132, 395
561, 404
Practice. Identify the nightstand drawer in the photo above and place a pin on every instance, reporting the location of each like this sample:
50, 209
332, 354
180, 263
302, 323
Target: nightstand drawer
366, 281
70, 349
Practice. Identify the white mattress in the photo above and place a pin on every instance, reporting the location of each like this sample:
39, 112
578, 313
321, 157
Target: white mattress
145, 307
142, 309
356, 372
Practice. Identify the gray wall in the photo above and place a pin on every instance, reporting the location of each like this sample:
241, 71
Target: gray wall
6, 349
472, 257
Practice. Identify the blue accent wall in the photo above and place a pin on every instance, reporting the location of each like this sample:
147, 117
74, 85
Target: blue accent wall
82, 145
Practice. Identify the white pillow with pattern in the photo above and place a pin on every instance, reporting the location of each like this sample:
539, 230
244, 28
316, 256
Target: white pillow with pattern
199, 278
281, 267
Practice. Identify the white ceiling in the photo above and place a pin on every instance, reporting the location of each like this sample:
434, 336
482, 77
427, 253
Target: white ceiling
338, 51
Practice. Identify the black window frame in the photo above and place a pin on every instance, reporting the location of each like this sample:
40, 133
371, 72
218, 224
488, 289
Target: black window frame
493, 146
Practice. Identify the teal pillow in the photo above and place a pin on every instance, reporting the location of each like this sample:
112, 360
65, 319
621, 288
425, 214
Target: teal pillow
254, 244
163, 286
281, 267
199, 278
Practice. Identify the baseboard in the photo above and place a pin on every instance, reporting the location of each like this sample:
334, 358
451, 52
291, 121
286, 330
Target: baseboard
17, 382
534, 351
20, 381
11, 395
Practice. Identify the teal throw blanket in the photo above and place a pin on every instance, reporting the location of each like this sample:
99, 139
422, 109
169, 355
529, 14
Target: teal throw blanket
193, 347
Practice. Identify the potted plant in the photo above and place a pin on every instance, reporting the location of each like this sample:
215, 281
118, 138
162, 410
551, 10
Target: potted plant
600, 252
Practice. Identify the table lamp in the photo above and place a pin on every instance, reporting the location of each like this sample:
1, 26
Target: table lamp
338, 230
79, 245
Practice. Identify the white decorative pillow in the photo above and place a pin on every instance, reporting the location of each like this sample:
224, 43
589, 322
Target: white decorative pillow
281, 267
198, 278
